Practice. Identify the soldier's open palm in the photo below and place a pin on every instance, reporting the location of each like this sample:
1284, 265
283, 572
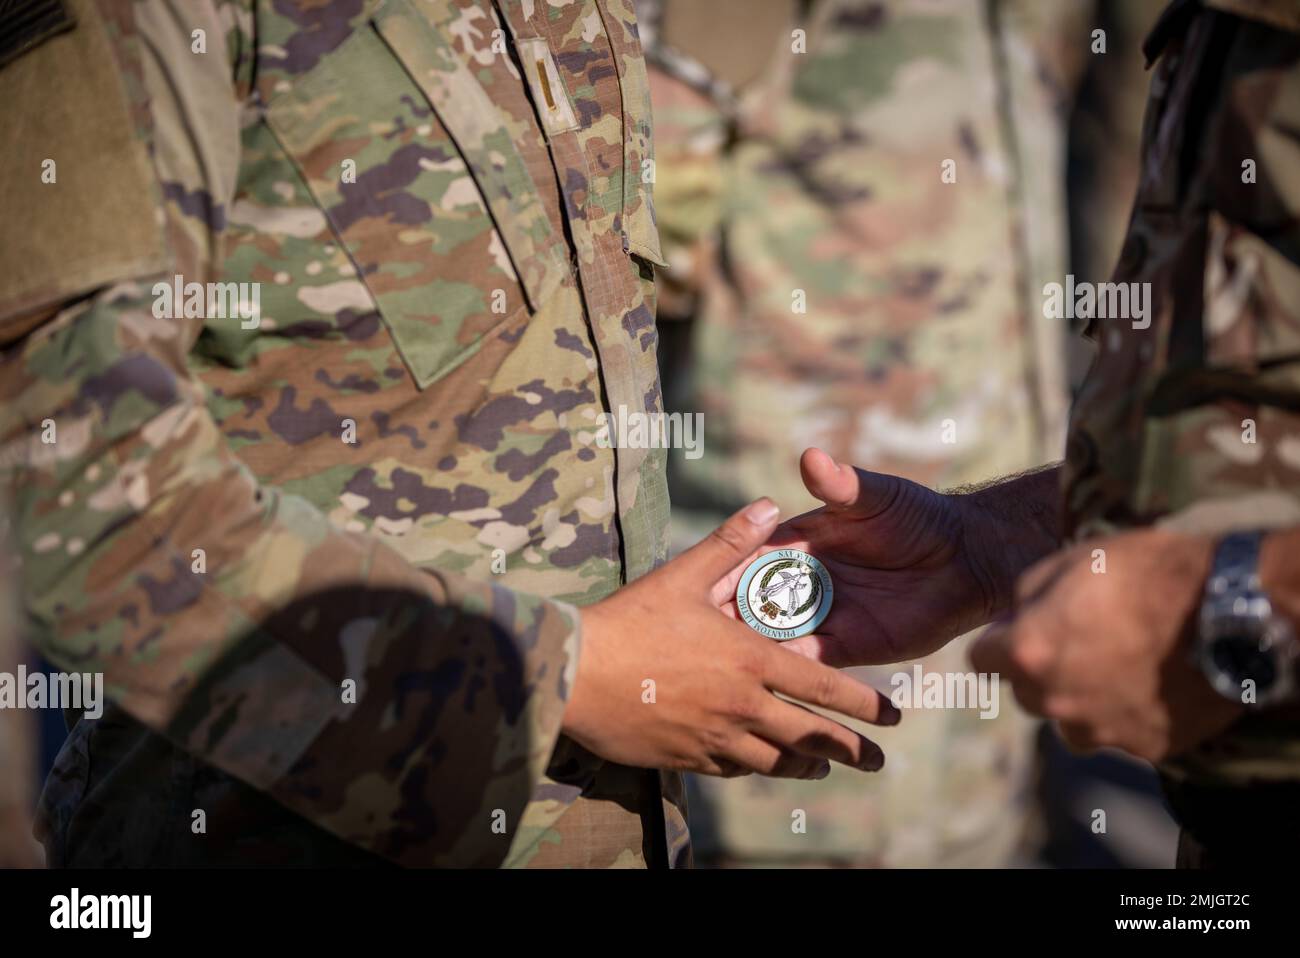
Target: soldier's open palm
904, 577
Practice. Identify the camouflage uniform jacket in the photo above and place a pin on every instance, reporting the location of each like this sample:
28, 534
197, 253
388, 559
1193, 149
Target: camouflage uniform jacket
1191, 418
331, 547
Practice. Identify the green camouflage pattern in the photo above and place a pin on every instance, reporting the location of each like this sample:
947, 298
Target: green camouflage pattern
394, 474
1194, 421
923, 312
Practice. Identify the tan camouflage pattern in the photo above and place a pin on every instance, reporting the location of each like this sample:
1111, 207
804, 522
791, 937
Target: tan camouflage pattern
823, 174
1195, 421
432, 304
829, 191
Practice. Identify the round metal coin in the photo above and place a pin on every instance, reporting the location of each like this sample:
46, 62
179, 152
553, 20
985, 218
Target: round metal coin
784, 594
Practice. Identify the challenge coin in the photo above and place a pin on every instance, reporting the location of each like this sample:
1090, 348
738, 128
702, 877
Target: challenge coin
784, 594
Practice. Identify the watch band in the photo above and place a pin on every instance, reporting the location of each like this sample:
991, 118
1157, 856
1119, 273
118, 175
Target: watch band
1236, 564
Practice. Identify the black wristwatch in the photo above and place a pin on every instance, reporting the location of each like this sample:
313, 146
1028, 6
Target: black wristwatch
1241, 639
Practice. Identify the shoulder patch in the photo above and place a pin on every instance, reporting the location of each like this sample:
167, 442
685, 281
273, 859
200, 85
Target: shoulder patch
79, 205
28, 23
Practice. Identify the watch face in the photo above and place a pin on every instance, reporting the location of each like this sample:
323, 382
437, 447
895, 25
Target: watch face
784, 594
1240, 657
1244, 653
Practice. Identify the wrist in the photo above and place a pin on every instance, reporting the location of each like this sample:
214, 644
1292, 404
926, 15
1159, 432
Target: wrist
1006, 528
992, 576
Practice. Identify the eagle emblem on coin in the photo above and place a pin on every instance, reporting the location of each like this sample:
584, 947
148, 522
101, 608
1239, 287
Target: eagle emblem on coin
784, 594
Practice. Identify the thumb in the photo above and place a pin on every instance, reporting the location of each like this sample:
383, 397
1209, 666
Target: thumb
846, 488
730, 544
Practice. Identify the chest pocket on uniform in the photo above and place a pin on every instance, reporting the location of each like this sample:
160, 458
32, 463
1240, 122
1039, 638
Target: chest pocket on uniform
409, 161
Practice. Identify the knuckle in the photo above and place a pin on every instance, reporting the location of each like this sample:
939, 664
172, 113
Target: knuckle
713, 740
824, 687
744, 709
867, 704
727, 537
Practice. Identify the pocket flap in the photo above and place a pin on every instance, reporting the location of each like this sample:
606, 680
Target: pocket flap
473, 122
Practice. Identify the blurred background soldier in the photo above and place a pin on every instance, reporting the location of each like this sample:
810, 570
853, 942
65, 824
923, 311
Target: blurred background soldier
861, 203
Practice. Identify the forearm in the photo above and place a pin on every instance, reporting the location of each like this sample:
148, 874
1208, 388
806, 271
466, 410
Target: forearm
1008, 525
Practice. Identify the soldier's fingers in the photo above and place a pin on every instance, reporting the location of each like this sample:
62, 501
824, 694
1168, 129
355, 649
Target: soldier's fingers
727, 769
816, 684
769, 758
801, 730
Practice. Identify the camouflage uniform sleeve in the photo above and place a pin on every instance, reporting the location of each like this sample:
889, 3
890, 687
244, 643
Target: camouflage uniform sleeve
395, 707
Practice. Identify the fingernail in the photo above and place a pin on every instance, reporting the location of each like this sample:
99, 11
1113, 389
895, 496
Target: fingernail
889, 714
873, 763
762, 512
822, 772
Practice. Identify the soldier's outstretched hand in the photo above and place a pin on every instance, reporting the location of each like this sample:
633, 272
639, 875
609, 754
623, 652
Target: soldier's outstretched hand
665, 681
912, 568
